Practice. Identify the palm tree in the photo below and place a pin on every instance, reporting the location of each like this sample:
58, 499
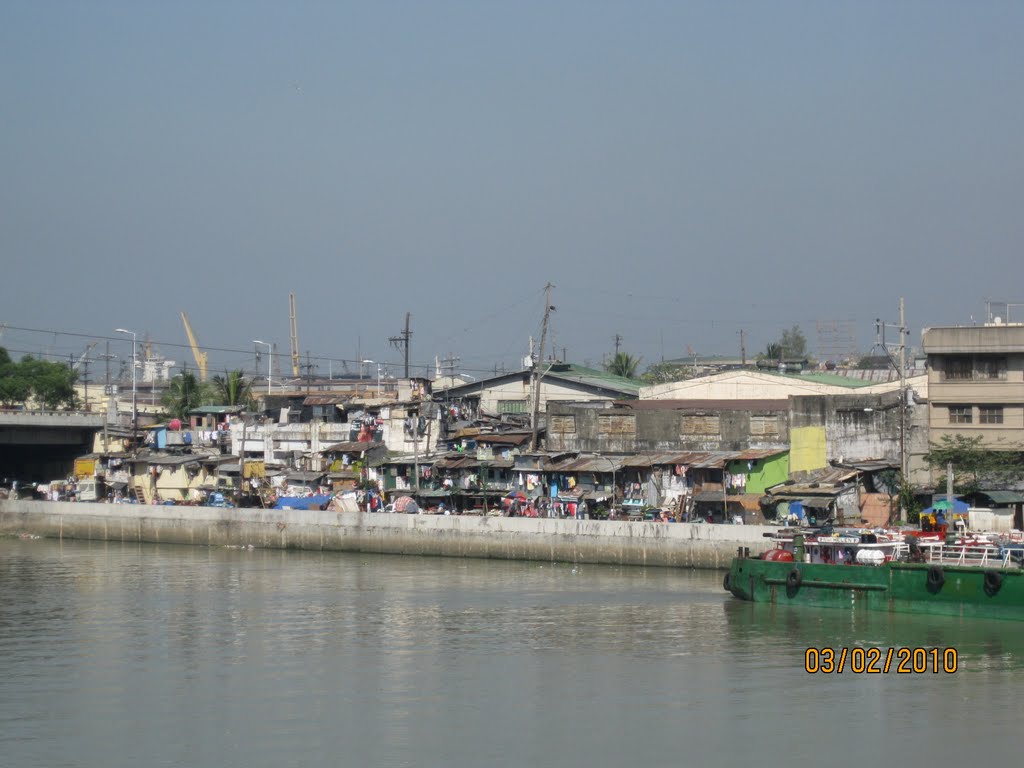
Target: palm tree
184, 394
623, 364
773, 352
232, 388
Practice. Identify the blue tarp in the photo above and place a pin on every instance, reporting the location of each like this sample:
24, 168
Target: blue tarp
302, 502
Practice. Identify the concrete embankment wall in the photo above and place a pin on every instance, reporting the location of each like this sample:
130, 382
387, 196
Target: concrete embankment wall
585, 541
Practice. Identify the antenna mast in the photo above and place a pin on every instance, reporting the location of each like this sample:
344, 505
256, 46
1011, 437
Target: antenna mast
295, 335
402, 340
536, 368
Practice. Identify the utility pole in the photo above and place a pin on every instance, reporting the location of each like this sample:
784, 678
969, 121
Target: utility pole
309, 373
904, 400
743, 349
106, 392
416, 451
618, 340
85, 380
536, 368
402, 341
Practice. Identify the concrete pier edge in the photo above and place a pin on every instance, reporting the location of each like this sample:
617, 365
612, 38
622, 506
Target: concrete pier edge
680, 545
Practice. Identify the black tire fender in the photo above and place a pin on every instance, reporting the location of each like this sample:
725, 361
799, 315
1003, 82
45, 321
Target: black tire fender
794, 579
727, 581
936, 578
993, 582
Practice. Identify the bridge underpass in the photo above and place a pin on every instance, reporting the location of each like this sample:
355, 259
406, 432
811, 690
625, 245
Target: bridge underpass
36, 447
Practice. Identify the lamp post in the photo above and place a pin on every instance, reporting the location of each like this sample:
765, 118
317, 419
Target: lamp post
371, 362
270, 360
135, 412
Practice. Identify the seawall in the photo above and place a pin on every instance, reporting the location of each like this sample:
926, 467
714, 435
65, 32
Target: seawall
683, 545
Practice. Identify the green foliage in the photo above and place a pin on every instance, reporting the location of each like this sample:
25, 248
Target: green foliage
791, 345
231, 389
794, 343
50, 385
663, 373
623, 364
184, 394
972, 463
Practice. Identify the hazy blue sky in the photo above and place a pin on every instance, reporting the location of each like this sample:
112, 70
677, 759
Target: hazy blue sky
678, 170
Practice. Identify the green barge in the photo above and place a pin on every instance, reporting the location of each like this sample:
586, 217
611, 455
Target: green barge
962, 579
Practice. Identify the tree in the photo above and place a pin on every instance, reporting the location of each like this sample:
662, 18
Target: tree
663, 373
793, 343
972, 463
15, 388
52, 385
231, 389
623, 364
902, 495
184, 394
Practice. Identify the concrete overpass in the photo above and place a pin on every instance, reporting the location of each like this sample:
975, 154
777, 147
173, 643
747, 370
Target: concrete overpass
37, 446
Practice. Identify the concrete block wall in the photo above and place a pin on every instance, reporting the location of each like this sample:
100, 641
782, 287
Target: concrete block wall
682, 545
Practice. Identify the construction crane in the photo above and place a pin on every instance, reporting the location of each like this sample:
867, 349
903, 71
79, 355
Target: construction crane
197, 353
296, 368
85, 356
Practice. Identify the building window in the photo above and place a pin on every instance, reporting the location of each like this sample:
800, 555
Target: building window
960, 414
764, 425
959, 368
701, 425
991, 414
991, 368
563, 425
618, 424
512, 406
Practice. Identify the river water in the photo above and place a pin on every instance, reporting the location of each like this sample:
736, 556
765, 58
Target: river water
148, 655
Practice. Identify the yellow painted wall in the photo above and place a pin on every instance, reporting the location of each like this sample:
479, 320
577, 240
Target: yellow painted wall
807, 449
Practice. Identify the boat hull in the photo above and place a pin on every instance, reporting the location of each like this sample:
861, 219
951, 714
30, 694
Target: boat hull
950, 590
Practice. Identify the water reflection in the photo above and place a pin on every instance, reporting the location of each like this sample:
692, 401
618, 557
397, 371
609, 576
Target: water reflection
233, 657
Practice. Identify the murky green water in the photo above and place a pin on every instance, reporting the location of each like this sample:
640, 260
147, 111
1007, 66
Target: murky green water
122, 655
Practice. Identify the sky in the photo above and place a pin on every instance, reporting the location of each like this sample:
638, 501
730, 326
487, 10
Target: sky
677, 171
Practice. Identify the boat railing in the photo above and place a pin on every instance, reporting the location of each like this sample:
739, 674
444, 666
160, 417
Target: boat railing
979, 555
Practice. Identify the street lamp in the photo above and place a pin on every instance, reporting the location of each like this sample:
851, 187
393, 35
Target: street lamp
361, 363
135, 412
270, 360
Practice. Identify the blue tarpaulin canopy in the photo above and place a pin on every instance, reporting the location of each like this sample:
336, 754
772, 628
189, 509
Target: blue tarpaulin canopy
302, 502
943, 505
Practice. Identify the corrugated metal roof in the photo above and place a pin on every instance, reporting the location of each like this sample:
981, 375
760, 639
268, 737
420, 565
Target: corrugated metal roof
825, 378
704, 405
460, 462
173, 461
351, 446
503, 439
1003, 497
305, 477
588, 377
868, 465
585, 464
756, 454
327, 399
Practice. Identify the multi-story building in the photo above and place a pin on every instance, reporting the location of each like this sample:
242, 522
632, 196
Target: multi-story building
976, 384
